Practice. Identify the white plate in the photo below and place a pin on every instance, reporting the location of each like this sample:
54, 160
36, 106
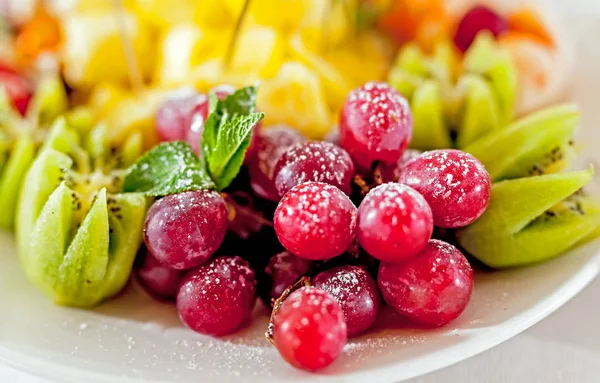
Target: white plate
134, 338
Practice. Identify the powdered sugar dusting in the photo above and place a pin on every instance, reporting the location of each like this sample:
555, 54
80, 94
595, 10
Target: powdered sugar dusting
394, 222
217, 298
376, 124
314, 161
315, 220
454, 183
357, 293
270, 145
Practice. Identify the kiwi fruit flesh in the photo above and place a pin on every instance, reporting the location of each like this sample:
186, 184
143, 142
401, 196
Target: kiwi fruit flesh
533, 219
20, 137
469, 99
540, 143
77, 233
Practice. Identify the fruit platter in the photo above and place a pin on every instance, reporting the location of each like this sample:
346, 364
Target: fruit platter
295, 190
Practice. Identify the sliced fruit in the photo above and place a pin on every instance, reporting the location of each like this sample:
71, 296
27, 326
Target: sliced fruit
11, 176
259, 50
480, 111
77, 233
336, 86
476, 97
93, 52
135, 113
487, 59
177, 50
527, 21
320, 35
430, 130
20, 139
532, 219
537, 144
295, 98
49, 100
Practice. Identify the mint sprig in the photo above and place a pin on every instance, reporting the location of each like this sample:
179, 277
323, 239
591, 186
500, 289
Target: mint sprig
173, 167
169, 168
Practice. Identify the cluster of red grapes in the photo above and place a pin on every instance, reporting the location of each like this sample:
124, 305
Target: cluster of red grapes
350, 257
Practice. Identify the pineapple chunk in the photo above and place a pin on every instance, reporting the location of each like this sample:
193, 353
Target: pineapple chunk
336, 86
125, 113
182, 48
259, 53
258, 50
319, 35
295, 98
92, 50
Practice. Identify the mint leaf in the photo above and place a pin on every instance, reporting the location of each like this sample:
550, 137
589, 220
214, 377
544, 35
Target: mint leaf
225, 158
169, 168
227, 134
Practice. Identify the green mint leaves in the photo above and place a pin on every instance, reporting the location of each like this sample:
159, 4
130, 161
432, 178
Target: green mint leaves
169, 168
173, 167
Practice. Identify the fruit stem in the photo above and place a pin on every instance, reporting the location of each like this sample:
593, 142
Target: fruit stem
302, 282
236, 34
132, 65
362, 184
377, 174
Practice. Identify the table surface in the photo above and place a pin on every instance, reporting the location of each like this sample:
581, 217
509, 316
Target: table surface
564, 347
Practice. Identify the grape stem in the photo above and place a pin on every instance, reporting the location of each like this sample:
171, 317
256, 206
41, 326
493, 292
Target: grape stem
243, 219
362, 184
302, 282
377, 174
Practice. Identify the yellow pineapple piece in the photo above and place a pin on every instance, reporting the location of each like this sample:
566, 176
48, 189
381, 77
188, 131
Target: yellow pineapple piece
363, 59
181, 48
125, 113
335, 85
295, 97
326, 25
258, 54
283, 15
212, 73
92, 51
259, 50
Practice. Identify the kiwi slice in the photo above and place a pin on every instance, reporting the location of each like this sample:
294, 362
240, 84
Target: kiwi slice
77, 233
464, 98
540, 143
21, 156
19, 138
533, 219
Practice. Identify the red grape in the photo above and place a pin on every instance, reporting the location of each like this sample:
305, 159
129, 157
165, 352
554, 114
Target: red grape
454, 183
314, 161
309, 329
315, 221
284, 269
17, 88
355, 291
174, 117
394, 223
217, 298
375, 125
183, 230
476, 20
433, 288
157, 279
270, 145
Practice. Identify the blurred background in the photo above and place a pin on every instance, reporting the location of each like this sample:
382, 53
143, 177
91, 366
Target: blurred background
307, 53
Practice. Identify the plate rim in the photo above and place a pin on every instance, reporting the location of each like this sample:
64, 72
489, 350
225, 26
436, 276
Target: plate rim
32, 367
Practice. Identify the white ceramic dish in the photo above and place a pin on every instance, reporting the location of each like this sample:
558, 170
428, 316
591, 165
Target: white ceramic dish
135, 339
